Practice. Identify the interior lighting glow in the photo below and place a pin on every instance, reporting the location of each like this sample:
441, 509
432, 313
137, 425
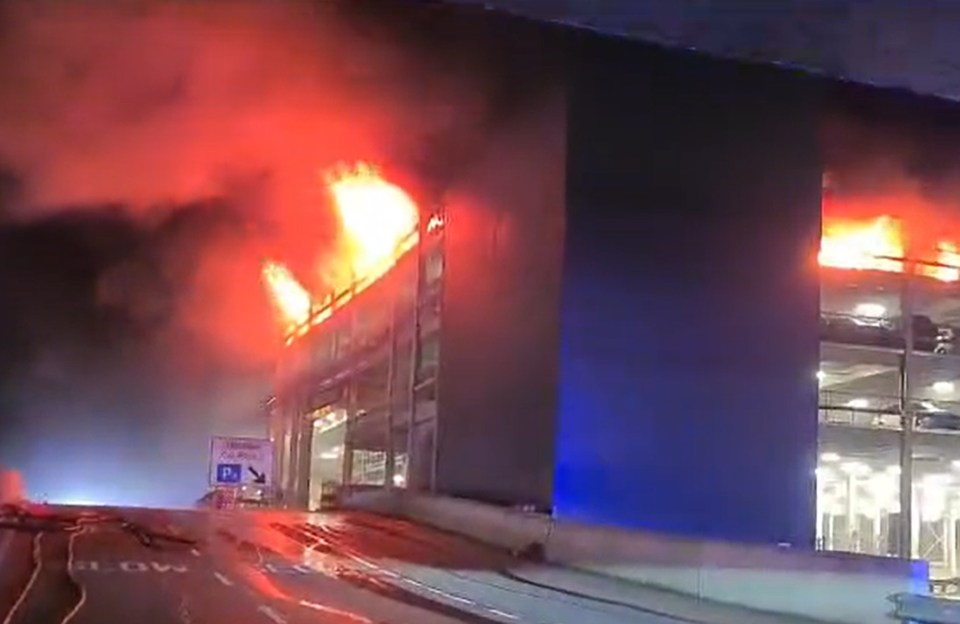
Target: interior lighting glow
936, 479
943, 387
859, 403
333, 453
871, 310
855, 469
829, 457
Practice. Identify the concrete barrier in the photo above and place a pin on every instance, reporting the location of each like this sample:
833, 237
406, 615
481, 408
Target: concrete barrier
825, 586
657, 561
506, 528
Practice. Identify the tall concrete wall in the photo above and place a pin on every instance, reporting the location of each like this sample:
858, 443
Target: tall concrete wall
500, 327
688, 400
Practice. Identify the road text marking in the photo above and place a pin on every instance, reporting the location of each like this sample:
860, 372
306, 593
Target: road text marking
129, 567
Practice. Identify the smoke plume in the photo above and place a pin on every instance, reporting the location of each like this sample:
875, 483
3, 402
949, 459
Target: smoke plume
151, 155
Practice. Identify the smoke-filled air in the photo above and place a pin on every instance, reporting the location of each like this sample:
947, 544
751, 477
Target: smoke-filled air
180, 183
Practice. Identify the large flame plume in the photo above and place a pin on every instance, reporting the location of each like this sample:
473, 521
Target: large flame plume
378, 222
875, 244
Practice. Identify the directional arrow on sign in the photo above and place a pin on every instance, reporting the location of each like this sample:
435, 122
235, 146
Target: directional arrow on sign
258, 477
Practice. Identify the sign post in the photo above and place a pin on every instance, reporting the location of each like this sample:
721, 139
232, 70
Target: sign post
241, 462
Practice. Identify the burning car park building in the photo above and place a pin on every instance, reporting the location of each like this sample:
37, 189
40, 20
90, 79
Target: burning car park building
889, 377
670, 295
362, 365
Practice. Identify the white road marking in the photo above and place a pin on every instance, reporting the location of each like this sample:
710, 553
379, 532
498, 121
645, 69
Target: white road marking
223, 579
326, 609
134, 566
320, 542
167, 567
82, 565
363, 561
504, 614
194, 552
273, 615
436, 591
389, 573
440, 592
37, 567
70, 569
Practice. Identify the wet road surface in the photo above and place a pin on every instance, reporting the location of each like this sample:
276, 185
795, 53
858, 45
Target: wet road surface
265, 567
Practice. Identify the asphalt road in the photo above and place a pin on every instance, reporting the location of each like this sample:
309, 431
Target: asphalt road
157, 567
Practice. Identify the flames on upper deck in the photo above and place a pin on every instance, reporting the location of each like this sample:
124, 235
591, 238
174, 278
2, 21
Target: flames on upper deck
378, 223
882, 233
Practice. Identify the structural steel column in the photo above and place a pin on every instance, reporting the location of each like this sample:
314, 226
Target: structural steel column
390, 465
415, 358
905, 545
347, 465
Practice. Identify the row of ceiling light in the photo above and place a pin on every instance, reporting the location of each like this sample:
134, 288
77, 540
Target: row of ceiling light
855, 468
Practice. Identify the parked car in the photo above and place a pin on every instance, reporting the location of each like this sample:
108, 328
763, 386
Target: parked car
886, 332
928, 415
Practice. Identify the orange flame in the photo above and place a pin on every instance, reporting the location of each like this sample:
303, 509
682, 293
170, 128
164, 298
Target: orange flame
379, 225
878, 244
290, 298
377, 217
948, 260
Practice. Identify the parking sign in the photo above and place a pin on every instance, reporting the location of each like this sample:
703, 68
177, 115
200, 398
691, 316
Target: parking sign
229, 473
241, 461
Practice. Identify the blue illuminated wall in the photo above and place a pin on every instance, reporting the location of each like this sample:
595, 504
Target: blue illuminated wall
687, 399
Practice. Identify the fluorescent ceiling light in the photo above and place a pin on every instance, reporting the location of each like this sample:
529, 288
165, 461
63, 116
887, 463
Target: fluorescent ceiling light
829, 457
859, 403
943, 387
872, 310
855, 468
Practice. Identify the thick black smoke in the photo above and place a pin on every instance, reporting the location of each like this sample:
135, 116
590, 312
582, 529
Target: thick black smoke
151, 155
